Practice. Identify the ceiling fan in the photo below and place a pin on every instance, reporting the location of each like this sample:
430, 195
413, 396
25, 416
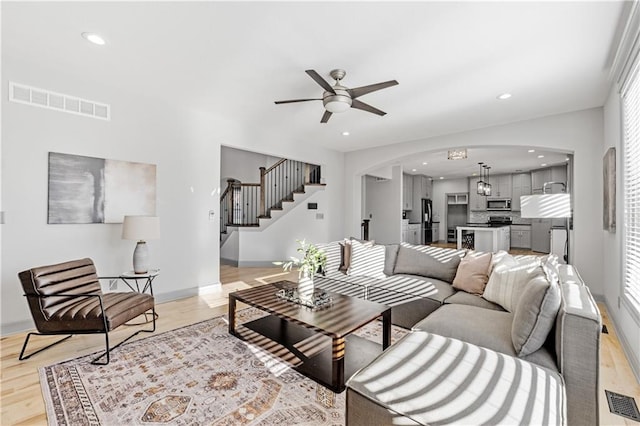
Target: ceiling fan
340, 98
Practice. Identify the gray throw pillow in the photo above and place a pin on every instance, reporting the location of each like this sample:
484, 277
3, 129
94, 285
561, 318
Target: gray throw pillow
390, 257
535, 314
427, 261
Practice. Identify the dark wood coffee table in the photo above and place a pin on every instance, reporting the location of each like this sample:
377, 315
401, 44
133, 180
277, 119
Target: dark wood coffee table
318, 342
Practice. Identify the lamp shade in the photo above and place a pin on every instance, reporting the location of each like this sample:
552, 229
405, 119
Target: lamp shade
542, 206
141, 228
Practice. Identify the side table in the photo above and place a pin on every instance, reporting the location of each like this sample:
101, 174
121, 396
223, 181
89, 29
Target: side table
140, 283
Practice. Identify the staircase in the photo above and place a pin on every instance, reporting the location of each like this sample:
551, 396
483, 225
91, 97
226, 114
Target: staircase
256, 205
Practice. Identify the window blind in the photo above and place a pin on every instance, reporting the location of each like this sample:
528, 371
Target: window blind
631, 183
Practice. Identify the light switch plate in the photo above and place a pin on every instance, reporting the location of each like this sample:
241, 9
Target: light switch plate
319, 215
1, 218
212, 215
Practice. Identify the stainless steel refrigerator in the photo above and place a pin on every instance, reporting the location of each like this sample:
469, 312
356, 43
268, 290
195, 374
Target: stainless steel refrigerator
427, 221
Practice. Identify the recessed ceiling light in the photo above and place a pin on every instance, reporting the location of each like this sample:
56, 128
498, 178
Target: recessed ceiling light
424, 164
532, 150
413, 170
441, 177
504, 96
540, 156
93, 38
543, 164
474, 174
345, 133
566, 159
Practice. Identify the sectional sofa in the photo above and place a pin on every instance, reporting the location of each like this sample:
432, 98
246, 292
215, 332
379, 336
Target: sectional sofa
494, 338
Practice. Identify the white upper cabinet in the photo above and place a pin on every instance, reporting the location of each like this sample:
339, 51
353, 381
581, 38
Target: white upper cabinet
407, 192
521, 185
500, 186
477, 202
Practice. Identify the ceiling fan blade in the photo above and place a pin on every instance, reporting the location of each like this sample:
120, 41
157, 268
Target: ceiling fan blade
321, 81
359, 91
325, 117
297, 100
366, 107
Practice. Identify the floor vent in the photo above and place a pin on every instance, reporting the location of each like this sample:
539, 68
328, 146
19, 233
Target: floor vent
622, 405
42, 98
604, 329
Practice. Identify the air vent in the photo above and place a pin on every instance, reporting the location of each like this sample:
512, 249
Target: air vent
622, 405
381, 179
57, 101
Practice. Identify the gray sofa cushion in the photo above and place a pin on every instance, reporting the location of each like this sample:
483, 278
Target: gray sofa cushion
535, 314
428, 261
483, 327
434, 380
464, 298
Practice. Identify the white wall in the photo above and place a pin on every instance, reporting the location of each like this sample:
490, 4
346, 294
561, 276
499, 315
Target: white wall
579, 132
627, 327
384, 208
184, 144
140, 130
440, 190
277, 242
241, 165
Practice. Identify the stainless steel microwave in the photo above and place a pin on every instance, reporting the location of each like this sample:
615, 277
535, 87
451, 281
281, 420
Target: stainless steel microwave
500, 204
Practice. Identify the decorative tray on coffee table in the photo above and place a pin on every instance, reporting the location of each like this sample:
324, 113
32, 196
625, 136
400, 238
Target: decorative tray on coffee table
320, 297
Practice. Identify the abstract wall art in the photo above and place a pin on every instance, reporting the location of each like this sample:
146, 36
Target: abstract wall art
95, 190
609, 190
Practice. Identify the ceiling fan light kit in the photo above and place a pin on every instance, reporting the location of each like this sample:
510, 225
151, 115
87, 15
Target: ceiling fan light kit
338, 98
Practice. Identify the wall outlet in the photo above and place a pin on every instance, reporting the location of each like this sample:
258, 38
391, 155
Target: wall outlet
113, 284
212, 215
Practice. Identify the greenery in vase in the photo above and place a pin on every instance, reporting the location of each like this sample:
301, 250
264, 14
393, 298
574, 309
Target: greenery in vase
313, 259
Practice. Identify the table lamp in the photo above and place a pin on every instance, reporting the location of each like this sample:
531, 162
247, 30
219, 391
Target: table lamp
141, 228
548, 206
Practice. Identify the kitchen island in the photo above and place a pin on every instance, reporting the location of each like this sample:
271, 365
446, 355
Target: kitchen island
484, 238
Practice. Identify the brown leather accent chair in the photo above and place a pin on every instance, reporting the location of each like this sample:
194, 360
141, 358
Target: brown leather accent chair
66, 299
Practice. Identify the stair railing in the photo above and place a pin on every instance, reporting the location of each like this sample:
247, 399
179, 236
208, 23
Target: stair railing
279, 182
242, 204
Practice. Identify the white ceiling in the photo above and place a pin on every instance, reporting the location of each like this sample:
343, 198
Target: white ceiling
235, 59
501, 160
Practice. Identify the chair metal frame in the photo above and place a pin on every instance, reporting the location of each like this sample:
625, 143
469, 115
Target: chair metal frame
106, 330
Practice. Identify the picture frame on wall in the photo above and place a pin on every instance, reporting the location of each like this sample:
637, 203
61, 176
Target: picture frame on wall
609, 190
97, 190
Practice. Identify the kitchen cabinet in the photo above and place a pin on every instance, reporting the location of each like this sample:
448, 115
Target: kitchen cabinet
411, 233
477, 202
500, 186
558, 174
538, 178
521, 236
435, 232
422, 188
407, 192
541, 235
549, 174
521, 185
458, 198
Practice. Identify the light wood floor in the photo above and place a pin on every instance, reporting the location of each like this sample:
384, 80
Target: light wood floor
21, 400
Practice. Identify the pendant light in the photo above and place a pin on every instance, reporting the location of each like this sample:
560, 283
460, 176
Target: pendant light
487, 185
480, 184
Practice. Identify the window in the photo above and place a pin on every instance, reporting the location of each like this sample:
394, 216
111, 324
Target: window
631, 184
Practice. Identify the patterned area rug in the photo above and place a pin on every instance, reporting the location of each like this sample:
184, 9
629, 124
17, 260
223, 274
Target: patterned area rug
194, 375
